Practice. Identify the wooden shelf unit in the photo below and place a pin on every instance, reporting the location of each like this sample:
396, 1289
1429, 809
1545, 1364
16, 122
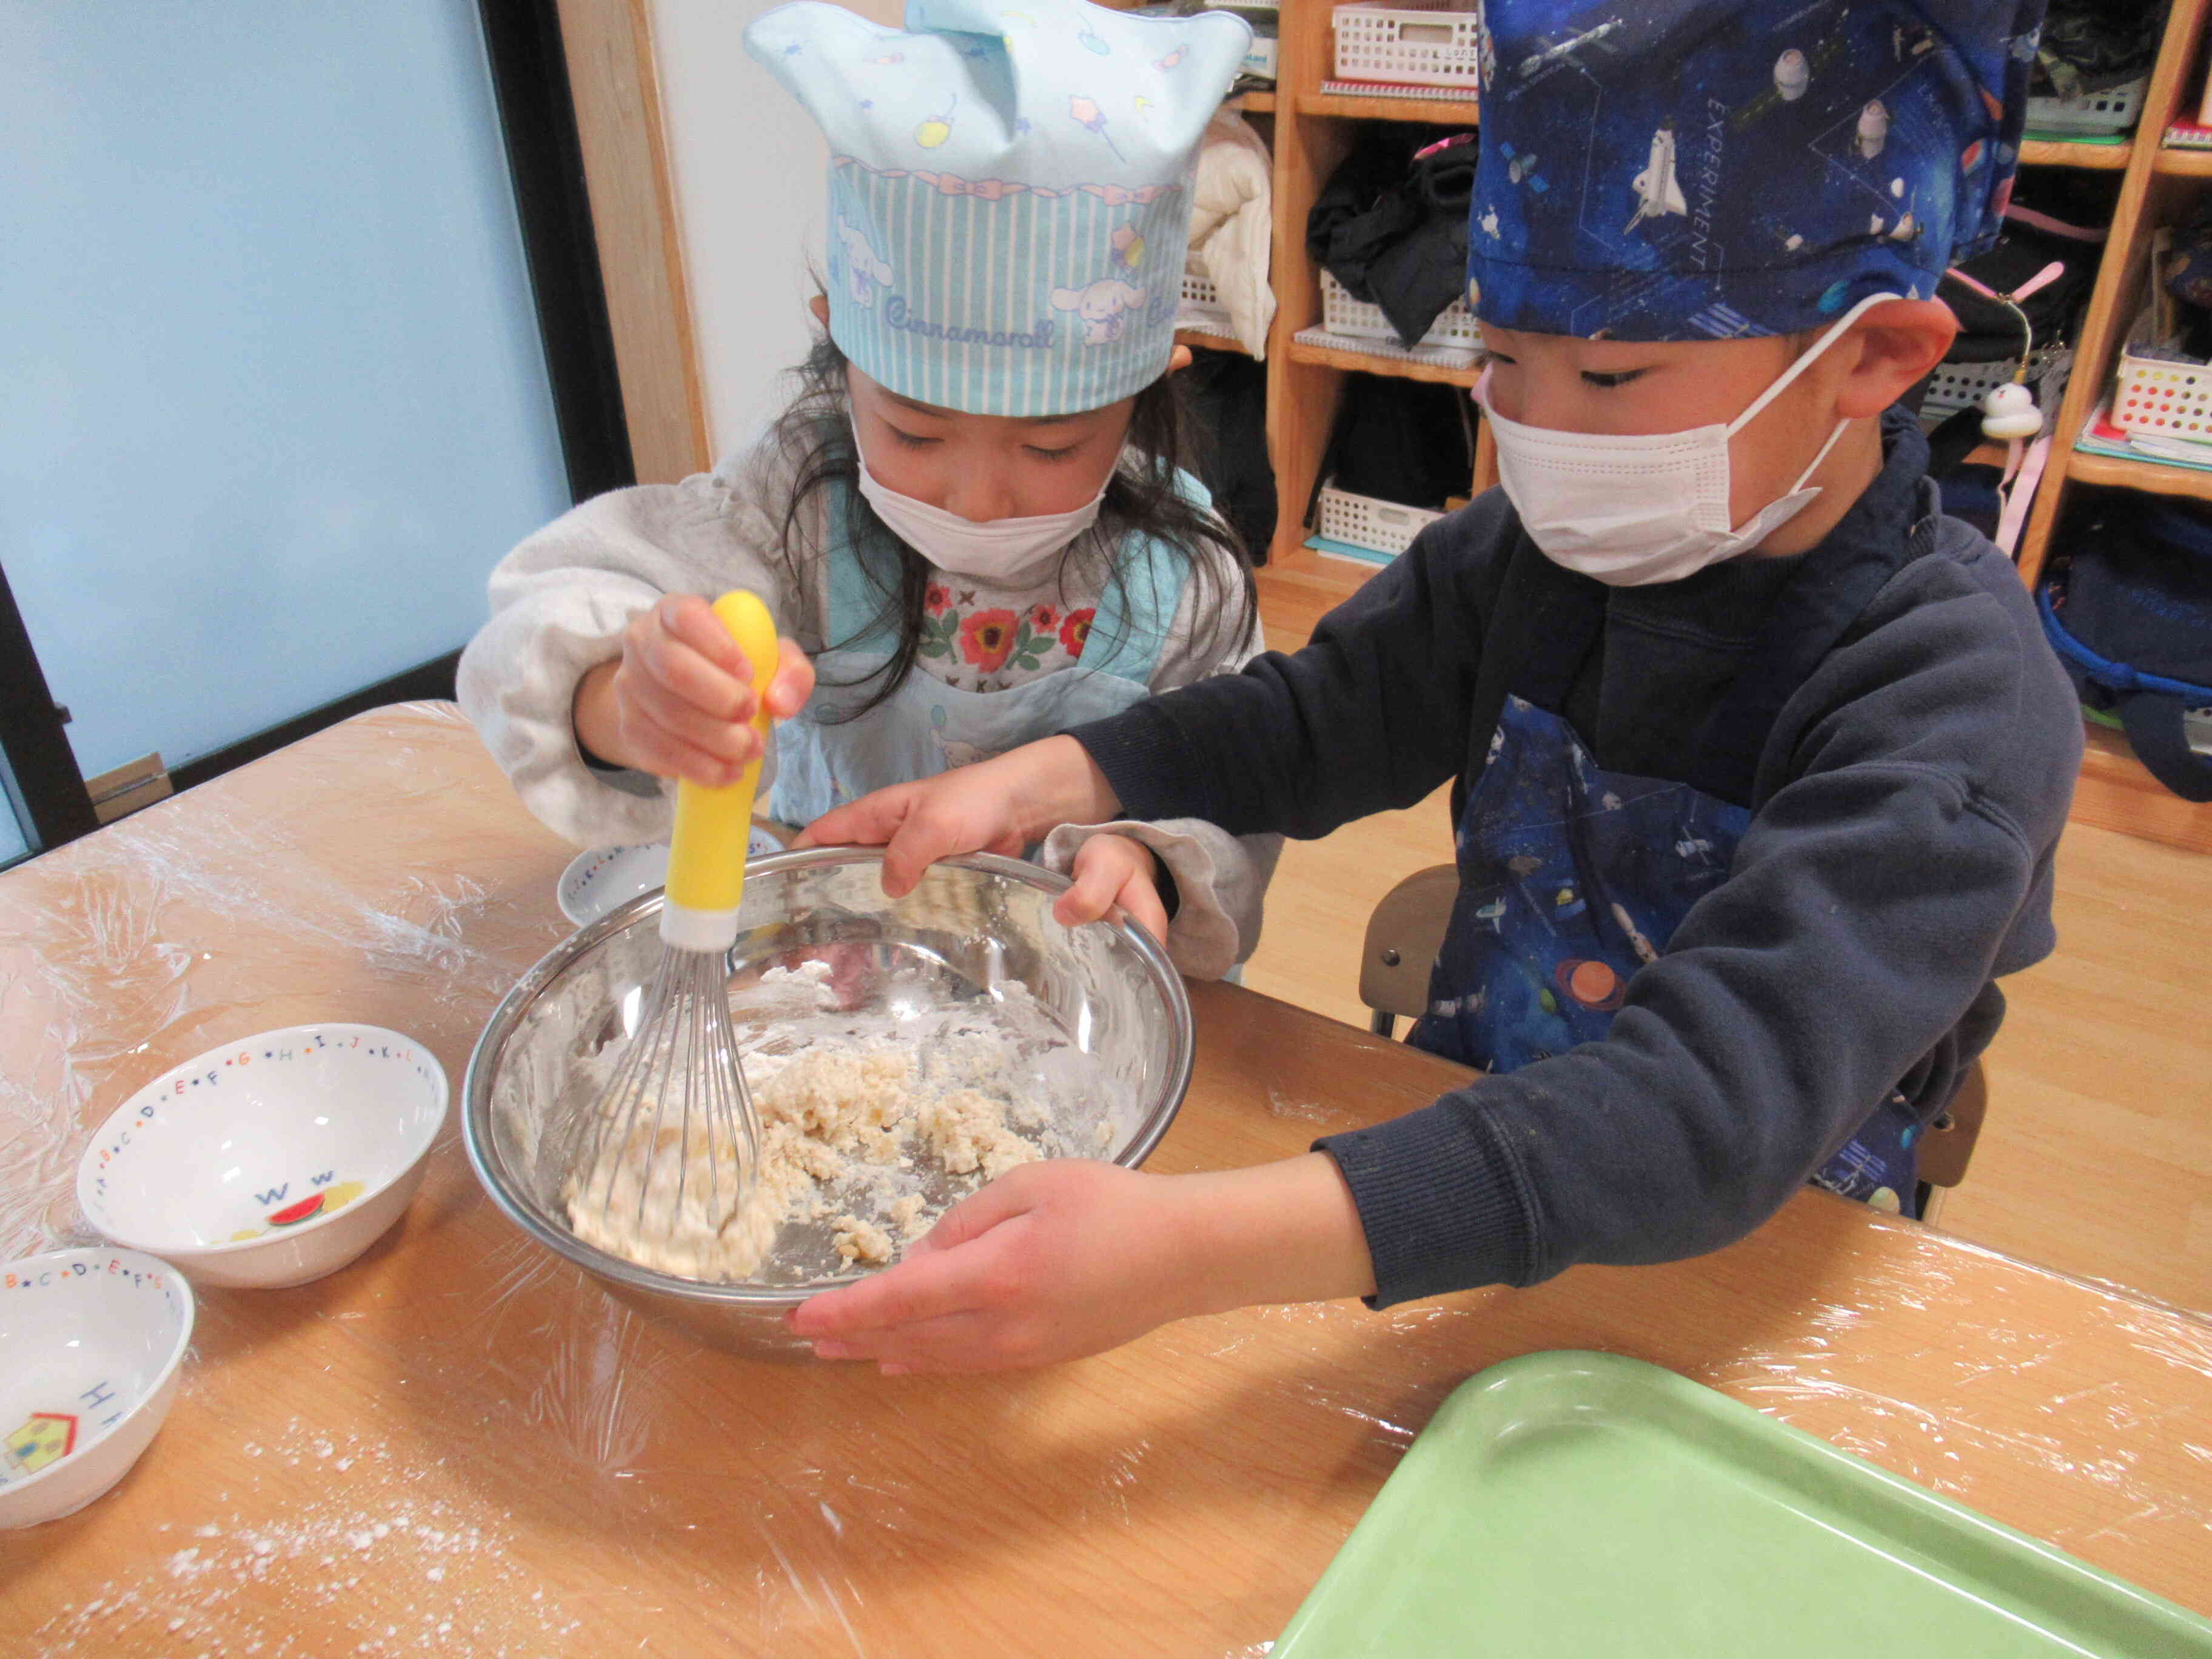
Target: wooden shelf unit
1347, 106
1367, 363
2158, 186
1199, 340
2116, 471
2183, 163
1310, 132
2066, 153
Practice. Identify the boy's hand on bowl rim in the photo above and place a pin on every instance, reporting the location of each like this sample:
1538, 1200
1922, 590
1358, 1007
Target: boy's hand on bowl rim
998, 805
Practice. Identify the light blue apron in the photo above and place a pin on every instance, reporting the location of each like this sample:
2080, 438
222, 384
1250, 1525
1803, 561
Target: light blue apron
825, 758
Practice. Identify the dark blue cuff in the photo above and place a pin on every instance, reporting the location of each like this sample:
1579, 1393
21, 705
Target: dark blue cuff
1152, 771
1445, 1204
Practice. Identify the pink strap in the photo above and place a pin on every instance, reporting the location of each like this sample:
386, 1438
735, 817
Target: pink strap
2041, 279
2013, 518
2044, 221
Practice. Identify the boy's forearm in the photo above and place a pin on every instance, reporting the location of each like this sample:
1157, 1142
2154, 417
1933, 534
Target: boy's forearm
1372, 713
1274, 1233
1054, 781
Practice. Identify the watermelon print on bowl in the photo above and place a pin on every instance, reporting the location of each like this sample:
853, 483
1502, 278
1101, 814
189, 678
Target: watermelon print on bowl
272, 1160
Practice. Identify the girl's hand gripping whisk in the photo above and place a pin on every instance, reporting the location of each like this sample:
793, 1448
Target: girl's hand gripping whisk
671, 1155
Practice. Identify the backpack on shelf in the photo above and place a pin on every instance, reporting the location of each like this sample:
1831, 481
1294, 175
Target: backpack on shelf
2093, 45
1391, 223
2046, 260
2050, 222
2129, 614
1407, 441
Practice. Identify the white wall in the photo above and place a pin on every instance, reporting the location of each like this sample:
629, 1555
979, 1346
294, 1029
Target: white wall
750, 169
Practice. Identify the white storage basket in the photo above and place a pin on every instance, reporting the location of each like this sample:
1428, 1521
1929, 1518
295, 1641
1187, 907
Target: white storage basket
1200, 292
2163, 400
1342, 315
1201, 311
2103, 114
1408, 44
1954, 386
1380, 526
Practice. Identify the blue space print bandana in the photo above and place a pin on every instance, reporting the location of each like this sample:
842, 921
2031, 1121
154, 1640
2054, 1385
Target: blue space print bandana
1707, 169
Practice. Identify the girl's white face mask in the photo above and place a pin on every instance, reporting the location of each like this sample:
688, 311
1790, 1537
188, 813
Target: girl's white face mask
1631, 511
1009, 553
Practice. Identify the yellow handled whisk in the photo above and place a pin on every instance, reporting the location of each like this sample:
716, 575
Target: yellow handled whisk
674, 1142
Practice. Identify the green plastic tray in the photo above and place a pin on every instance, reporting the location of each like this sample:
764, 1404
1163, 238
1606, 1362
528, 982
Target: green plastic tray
1585, 1505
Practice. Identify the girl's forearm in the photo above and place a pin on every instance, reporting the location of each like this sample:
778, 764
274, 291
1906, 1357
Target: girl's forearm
599, 730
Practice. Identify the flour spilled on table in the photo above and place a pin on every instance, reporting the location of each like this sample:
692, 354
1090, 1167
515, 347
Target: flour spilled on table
363, 1560
871, 1129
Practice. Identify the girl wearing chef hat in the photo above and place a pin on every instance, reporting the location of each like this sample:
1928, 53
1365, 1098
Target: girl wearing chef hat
972, 523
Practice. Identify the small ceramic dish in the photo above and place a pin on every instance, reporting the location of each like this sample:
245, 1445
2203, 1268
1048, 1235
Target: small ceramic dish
272, 1160
90, 1341
597, 881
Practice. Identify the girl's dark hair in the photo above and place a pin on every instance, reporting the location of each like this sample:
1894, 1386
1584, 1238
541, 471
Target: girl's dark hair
815, 432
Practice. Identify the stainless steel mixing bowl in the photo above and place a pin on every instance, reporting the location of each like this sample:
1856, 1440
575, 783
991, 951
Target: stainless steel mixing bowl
1102, 1037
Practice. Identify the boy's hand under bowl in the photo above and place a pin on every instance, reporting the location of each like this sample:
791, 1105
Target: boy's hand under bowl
1069, 1257
678, 703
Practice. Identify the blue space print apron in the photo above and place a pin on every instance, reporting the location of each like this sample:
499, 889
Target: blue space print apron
825, 758
1572, 877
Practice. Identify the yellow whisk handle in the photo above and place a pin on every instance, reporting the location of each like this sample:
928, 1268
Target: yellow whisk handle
713, 827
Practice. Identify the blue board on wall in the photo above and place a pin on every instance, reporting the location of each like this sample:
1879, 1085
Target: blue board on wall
275, 399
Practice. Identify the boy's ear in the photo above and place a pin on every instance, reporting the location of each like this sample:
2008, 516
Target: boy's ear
1898, 342
819, 305
1179, 359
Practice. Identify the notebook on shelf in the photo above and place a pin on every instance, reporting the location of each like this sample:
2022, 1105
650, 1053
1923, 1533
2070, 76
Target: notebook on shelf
2100, 437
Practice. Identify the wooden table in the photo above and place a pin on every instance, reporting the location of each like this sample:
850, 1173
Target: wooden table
460, 1444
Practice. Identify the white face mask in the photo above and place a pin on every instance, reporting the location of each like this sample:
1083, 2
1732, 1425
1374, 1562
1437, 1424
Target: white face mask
1011, 553
1630, 511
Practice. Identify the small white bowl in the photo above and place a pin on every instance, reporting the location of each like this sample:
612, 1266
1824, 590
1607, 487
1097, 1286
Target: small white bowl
90, 1341
272, 1160
596, 882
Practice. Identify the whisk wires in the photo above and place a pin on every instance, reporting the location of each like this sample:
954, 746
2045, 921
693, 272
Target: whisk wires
675, 1145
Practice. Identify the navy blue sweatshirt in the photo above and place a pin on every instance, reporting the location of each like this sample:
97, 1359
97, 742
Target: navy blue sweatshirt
1908, 757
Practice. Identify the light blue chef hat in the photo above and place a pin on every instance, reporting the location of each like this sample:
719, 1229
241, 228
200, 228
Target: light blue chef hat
1009, 189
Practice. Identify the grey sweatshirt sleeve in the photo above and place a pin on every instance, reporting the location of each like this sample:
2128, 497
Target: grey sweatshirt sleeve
559, 603
1220, 878
1910, 799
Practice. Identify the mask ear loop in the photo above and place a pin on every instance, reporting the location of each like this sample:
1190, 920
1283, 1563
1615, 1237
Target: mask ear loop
1834, 332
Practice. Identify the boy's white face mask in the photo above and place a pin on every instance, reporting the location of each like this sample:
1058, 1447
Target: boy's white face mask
1010, 553
1635, 510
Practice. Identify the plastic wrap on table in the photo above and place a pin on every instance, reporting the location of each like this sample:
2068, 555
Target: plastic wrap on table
462, 1443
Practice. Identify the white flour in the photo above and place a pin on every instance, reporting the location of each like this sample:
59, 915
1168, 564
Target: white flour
362, 1567
873, 1135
